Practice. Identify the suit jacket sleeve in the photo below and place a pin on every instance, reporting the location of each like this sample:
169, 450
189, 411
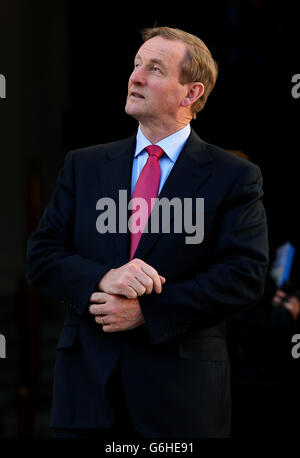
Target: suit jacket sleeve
52, 265
236, 274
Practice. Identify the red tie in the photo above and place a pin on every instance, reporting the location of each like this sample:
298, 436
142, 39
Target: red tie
147, 188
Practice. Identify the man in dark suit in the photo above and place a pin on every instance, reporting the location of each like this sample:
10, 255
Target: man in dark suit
147, 316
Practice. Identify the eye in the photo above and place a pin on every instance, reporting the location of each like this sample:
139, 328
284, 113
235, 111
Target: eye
156, 69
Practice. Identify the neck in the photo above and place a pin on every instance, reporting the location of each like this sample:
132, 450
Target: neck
155, 133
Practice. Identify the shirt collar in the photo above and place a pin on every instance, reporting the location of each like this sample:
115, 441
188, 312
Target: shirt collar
172, 145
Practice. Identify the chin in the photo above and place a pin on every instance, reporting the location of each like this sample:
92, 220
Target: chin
131, 111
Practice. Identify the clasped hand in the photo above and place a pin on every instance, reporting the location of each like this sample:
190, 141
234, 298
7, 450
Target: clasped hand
116, 306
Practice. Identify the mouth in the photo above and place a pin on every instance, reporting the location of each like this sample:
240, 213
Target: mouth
136, 95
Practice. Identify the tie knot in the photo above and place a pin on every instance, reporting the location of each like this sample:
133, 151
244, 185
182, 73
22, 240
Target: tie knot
154, 150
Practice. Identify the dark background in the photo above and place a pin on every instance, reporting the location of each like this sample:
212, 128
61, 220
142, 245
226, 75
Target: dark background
66, 65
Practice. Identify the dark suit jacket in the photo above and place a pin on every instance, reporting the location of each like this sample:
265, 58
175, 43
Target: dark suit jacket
175, 367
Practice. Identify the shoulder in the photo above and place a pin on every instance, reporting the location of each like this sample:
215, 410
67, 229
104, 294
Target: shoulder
225, 162
229, 160
101, 151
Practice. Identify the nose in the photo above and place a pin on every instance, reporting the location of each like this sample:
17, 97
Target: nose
138, 76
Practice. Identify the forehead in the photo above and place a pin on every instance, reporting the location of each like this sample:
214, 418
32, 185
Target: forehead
169, 51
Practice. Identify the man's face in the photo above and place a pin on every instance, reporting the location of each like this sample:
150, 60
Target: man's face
154, 91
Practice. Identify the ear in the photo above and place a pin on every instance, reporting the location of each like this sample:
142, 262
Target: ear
194, 92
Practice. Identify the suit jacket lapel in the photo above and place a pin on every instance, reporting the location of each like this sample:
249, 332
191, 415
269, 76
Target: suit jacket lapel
186, 177
115, 175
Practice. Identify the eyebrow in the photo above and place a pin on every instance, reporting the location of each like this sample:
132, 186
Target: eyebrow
152, 61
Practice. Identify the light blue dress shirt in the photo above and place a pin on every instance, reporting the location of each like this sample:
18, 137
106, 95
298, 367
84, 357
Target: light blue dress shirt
172, 146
